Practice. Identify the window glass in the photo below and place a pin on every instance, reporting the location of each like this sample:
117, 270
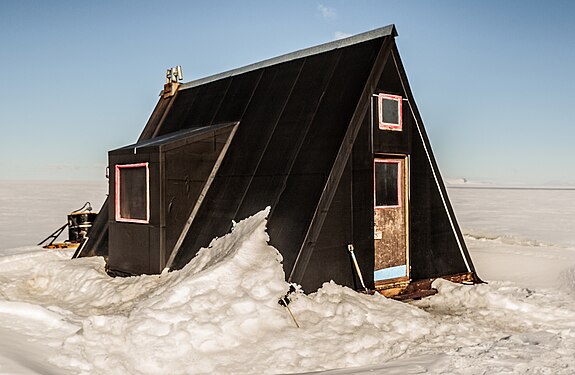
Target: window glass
132, 193
386, 184
389, 112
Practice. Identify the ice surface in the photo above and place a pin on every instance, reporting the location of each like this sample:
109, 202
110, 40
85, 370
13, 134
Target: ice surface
31, 211
524, 236
220, 314
529, 217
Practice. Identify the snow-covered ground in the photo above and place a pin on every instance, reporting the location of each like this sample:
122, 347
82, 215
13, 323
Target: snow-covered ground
220, 314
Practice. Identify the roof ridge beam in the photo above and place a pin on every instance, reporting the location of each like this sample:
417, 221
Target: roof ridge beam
388, 30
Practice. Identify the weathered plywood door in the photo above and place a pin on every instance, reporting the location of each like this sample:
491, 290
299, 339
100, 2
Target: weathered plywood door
390, 220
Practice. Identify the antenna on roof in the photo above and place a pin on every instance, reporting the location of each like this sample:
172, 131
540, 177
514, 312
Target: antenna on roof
174, 74
173, 78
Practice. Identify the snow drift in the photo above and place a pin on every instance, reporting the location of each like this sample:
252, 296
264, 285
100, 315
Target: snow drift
220, 315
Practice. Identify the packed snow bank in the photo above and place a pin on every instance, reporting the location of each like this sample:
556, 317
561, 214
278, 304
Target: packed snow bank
209, 317
502, 328
220, 314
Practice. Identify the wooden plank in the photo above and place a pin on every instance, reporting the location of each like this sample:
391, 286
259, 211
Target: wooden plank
422, 288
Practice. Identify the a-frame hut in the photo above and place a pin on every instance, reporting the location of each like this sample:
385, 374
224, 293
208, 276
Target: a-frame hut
329, 137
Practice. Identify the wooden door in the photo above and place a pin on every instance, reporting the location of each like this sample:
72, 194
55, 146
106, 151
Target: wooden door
390, 220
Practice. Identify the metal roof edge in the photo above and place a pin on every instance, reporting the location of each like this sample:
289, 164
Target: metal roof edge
170, 137
388, 30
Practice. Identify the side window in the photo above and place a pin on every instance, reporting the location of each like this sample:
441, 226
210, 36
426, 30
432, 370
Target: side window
387, 183
389, 112
133, 193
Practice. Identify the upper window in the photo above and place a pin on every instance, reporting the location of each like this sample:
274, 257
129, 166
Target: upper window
389, 112
133, 193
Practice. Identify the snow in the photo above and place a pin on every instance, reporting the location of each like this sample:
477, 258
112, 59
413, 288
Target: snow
220, 314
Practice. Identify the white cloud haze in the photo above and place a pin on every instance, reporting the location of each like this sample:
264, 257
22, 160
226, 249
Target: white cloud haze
341, 35
327, 12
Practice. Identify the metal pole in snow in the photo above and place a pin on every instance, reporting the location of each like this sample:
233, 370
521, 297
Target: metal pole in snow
284, 301
350, 249
293, 317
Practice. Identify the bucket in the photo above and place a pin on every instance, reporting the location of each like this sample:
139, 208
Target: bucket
79, 224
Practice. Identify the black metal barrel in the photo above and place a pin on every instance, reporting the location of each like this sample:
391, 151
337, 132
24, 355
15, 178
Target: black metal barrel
79, 224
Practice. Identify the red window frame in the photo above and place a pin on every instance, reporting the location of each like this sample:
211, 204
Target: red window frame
387, 125
118, 197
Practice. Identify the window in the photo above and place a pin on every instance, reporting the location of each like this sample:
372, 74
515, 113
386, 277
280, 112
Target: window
133, 193
387, 183
389, 112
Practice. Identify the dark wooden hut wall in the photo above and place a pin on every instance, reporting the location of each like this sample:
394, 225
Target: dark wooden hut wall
360, 109
186, 171
330, 259
362, 209
289, 134
392, 142
233, 179
318, 153
292, 143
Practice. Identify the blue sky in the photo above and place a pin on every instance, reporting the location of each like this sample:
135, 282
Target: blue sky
494, 80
